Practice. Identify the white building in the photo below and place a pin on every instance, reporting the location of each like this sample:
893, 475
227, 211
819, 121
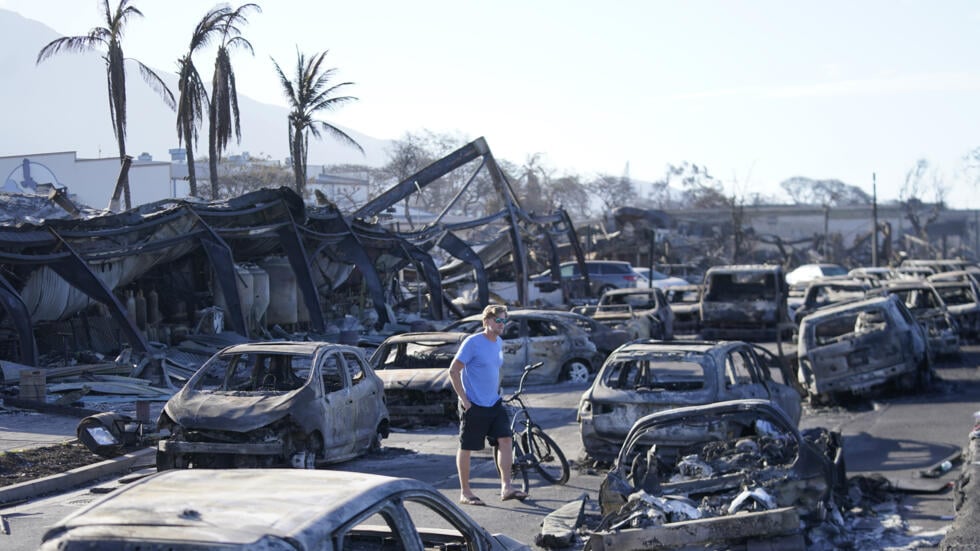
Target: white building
87, 181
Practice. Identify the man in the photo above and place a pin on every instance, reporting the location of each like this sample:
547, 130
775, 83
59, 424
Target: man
475, 374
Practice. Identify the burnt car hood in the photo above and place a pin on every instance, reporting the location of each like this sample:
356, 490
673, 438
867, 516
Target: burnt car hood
415, 379
234, 412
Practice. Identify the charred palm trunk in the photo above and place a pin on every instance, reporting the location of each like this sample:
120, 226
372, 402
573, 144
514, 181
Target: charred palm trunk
213, 151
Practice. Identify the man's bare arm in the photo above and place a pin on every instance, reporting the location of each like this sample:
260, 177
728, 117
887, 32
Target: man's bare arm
456, 376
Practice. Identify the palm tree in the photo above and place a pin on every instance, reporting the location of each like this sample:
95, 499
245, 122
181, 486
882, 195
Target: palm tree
308, 95
108, 39
192, 96
223, 119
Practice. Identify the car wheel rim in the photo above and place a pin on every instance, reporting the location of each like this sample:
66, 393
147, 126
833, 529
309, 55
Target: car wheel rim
577, 372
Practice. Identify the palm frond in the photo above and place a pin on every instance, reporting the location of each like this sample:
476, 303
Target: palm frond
339, 134
156, 83
69, 44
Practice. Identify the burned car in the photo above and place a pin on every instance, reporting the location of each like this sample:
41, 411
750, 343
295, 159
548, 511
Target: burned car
744, 301
930, 311
826, 291
273, 404
855, 347
684, 301
605, 338
273, 509
642, 312
962, 300
728, 475
644, 377
415, 371
532, 336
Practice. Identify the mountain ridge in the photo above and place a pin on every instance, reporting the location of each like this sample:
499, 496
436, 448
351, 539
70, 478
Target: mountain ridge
42, 117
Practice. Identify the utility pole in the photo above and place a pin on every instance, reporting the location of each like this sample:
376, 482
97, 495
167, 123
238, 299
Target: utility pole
874, 216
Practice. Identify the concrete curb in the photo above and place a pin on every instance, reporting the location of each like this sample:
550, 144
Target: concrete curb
76, 477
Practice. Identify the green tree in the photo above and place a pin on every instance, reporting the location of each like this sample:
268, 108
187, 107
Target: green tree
108, 40
192, 95
307, 95
223, 116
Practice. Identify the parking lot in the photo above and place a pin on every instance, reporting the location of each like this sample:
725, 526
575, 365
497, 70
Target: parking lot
893, 435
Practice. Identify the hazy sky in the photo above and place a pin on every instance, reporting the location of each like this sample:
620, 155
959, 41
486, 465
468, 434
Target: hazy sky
758, 91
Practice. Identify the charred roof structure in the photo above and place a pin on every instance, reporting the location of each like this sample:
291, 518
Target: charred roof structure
260, 264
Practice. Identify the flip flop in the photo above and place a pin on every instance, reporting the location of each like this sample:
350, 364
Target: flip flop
513, 494
463, 500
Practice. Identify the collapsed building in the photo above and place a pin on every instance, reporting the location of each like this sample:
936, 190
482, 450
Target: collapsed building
78, 285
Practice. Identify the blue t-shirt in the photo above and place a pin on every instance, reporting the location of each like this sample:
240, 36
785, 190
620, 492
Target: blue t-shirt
481, 359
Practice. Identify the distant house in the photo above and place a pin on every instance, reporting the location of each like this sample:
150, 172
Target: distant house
90, 182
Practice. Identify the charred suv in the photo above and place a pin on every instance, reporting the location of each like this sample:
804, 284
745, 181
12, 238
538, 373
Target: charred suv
855, 347
745, 302
275, 404
729, 475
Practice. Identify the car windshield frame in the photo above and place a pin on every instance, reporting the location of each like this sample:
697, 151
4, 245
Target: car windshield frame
250, 370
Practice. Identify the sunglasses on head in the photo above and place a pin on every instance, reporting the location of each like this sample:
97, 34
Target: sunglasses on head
500, 320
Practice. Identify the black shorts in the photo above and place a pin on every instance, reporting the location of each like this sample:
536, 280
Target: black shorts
480, 422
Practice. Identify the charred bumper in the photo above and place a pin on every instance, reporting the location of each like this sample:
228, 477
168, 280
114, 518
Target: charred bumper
225, 448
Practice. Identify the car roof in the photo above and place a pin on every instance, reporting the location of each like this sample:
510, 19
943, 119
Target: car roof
835, 309
744, 268
248, 502
523, 312
595, 262
635, 291
907, 284
287, 347
428, 336
685, 345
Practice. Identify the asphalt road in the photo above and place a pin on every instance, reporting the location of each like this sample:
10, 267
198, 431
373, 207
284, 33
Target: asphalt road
895, 436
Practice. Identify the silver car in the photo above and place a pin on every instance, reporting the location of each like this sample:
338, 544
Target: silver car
273, 509
275, 404
532, 336
603, 276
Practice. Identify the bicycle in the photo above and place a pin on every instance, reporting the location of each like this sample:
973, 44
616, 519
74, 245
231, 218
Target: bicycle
533, 449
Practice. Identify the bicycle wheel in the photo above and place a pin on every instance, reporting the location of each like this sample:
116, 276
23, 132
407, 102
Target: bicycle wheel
546, 456
518, 467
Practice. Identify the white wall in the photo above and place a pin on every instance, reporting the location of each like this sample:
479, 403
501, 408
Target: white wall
92, 181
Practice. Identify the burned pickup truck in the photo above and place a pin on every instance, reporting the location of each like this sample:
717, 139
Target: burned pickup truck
728, 475
644, 313
746, 302
854, 347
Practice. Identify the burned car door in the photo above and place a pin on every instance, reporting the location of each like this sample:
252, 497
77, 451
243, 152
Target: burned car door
363, 394
779, 381
742, 378
515, 349
338, 402
545, 343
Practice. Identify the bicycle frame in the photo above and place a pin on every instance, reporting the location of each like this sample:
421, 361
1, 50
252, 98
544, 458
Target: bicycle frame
533, 449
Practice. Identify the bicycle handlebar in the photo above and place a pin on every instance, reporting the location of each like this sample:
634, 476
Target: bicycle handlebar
520, 386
